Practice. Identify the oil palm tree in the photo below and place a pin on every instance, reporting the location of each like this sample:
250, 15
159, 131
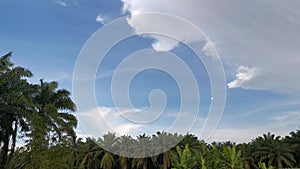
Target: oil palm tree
232, 158
192, 141
164, 143
294, 142
14, 104
125, 145
89, 154
51, 120
183, 159
109, 143
248, 159
273, 151
212, 158
143, 151
20, 159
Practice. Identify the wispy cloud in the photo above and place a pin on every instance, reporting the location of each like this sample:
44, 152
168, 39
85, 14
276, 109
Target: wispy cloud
65, 3
285, 116
62, 3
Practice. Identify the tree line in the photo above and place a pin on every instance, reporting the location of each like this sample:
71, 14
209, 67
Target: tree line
42, 115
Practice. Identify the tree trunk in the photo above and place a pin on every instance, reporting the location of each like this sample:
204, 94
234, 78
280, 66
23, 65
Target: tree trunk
4, 150
14, 140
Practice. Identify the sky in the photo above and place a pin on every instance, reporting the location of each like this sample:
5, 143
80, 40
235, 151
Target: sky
256, 44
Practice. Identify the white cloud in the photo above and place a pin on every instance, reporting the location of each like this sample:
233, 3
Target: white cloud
101, 19
100, 120
244, 75
65, 3
260, 35
162, 43
165, 30
61, 2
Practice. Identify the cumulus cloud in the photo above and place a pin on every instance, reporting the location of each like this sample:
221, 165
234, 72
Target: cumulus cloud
260, 35
101, 19
166, 30
244, 75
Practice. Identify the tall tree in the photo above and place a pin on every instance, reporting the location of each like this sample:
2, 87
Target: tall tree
52, 120
14, 104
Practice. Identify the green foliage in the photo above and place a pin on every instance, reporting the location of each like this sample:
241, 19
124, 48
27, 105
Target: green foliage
183, 159
263, 166
273, 151
231, 158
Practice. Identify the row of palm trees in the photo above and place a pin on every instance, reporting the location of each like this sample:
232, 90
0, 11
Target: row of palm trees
41, 116
264, 152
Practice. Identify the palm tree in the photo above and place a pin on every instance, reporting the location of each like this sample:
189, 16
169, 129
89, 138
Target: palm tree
109, 144
183, 159
164, 144
248, 159
125, 145
89, 154
19, 160
231, 158
263, 166
273, 151
294, 142
192, 141
143, 152
13, 104
51, 120
212, 158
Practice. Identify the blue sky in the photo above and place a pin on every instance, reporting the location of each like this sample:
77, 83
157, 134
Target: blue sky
257, 42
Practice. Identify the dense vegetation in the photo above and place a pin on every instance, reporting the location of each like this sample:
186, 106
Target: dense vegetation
41, 115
